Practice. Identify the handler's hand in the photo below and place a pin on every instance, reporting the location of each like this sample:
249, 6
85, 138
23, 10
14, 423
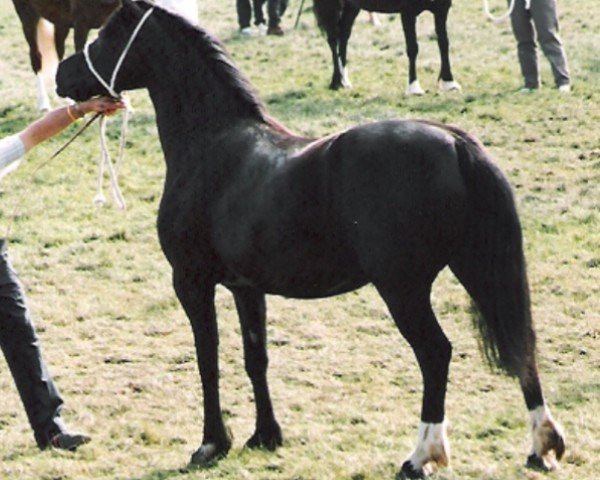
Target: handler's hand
105, 105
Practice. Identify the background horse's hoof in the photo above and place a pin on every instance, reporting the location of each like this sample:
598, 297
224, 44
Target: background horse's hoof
414, 88
208, 454
269, 438
449, 86
409, 472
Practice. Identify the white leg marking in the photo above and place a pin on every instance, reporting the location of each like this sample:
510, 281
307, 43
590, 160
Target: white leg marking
414, 88
544, 429
43, 101
450, 86
346, 78
432, 447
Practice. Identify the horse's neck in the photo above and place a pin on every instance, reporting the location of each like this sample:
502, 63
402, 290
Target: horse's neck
191, 93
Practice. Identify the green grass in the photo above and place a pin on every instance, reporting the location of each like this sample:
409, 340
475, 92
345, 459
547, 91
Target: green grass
346, 388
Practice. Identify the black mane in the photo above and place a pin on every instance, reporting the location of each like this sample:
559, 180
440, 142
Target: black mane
219, 61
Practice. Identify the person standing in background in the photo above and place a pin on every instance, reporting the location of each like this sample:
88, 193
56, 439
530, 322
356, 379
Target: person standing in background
538, 17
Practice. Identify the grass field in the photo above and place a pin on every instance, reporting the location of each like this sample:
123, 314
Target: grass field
346, 387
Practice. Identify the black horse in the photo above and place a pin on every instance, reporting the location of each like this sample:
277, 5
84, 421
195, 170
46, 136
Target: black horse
336, 18
80, 15
261, 211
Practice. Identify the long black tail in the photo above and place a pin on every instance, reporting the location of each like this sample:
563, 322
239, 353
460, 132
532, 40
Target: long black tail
491, 264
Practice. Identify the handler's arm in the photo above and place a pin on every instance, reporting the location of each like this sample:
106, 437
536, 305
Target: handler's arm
57, 120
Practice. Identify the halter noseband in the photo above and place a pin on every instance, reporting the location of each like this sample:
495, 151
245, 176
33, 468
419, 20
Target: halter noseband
111, 87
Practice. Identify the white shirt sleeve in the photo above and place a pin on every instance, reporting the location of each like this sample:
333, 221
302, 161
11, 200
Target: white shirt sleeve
12, 150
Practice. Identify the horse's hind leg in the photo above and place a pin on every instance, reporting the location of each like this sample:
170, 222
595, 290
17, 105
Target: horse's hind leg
411, 309
409, 27
251, 309
547, 434
349, 14
198, 303
446, 80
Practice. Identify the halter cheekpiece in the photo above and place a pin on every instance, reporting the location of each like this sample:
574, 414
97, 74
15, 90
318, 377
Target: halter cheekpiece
111, 87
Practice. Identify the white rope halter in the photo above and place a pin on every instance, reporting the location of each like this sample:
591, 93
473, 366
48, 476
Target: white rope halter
99, 199
488, 14
110, 87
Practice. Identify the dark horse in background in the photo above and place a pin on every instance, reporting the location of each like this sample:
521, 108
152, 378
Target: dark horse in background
80, 15
251, 206
336, 18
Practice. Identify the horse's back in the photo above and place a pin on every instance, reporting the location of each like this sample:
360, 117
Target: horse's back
322, 221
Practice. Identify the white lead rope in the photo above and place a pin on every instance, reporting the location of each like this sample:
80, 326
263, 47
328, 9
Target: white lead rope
105, 160
488, 13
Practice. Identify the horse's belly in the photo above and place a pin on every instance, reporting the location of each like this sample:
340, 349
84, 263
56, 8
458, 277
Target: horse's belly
298, 277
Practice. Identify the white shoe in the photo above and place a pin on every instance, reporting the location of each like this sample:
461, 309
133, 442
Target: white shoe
262, 29
566, 88
527, 90
247, 32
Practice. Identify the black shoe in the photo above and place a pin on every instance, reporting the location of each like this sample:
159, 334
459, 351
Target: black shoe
68, 441
276, 30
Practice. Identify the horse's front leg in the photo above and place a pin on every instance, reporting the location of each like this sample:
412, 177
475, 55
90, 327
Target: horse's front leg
198, 303
445, 80
409, 26
251, 309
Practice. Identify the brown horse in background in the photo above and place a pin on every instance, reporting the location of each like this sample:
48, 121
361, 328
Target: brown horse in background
80, 15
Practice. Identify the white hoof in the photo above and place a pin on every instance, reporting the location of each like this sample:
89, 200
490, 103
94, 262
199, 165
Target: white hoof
414, 88
450, 86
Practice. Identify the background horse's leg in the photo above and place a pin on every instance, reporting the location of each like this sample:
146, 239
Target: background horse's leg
29, 22
349, 14
61, 31
446, 80
409, 26
80, 34
198, 303
411, 309
251, 309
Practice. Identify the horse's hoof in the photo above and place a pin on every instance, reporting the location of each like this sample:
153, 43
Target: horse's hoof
414, 89
537, 463
408, 471
449, 86
269, 439
208, 454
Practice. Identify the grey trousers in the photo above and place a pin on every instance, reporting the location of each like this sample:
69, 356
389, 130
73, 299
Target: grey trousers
542, 16
21, 348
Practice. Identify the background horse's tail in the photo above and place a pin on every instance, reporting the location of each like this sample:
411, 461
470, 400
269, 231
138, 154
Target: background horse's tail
490, 264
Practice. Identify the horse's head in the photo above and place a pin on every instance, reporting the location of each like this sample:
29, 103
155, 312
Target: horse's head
115, 60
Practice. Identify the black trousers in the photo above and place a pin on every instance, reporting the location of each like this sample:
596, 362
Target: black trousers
275, 8
244, 12
21, 347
